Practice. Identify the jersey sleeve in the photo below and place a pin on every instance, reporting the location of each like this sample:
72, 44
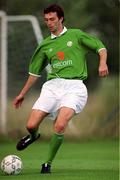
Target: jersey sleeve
91, 42
37, 62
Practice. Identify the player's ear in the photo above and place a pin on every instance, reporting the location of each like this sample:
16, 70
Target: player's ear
61, 19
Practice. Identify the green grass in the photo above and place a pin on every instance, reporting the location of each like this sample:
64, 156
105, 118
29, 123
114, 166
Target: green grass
89, 160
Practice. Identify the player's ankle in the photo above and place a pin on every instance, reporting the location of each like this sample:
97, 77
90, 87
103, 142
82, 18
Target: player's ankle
34, 135
48, 162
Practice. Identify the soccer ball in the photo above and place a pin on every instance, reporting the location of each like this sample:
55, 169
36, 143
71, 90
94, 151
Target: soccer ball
11, 165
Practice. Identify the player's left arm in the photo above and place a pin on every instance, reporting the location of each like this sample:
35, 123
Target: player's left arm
95, 44
103, 68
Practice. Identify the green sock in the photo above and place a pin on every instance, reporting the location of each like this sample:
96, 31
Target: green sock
55, 143
33, 133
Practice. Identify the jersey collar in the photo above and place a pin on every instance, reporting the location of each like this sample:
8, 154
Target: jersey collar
63, 31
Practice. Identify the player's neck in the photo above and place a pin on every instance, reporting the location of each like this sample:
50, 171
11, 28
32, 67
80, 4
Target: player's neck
59, 30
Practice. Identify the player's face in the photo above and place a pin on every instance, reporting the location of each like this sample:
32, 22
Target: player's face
53, 22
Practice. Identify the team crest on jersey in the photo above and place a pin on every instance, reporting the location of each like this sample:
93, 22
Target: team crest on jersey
69, 43
60, 55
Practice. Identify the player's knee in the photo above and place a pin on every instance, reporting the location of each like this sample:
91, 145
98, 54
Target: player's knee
59, 128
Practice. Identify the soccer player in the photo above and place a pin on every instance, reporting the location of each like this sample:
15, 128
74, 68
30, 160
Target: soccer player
64, 94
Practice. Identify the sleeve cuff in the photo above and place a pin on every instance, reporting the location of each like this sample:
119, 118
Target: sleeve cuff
101, 49
34, 74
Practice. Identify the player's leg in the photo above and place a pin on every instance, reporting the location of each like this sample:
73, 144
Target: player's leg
45, 103
73, 99
64, 116
36, 117
61, 122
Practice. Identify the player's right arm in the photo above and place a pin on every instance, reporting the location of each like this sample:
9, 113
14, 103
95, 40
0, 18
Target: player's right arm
19, 99
37, 64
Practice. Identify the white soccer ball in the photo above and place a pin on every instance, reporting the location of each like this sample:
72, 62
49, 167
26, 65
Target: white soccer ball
11, 165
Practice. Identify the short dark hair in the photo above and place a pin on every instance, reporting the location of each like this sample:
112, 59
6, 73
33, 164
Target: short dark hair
54, 8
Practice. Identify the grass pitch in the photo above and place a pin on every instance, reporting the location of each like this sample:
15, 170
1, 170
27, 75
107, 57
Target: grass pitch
89, 160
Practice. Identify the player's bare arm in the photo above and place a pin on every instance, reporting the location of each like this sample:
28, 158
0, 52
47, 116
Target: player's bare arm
103, 68
19, 99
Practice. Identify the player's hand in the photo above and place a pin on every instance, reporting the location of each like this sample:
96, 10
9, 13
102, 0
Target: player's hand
17, 102
103, 70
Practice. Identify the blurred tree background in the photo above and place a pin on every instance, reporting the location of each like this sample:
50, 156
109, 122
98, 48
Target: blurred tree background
99, 18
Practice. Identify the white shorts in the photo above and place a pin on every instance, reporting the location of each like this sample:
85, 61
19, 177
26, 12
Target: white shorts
57, 93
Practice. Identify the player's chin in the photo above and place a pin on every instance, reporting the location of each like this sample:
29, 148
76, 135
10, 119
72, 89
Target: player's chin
51, 29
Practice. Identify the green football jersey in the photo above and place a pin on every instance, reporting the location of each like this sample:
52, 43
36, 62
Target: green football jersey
66, 55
